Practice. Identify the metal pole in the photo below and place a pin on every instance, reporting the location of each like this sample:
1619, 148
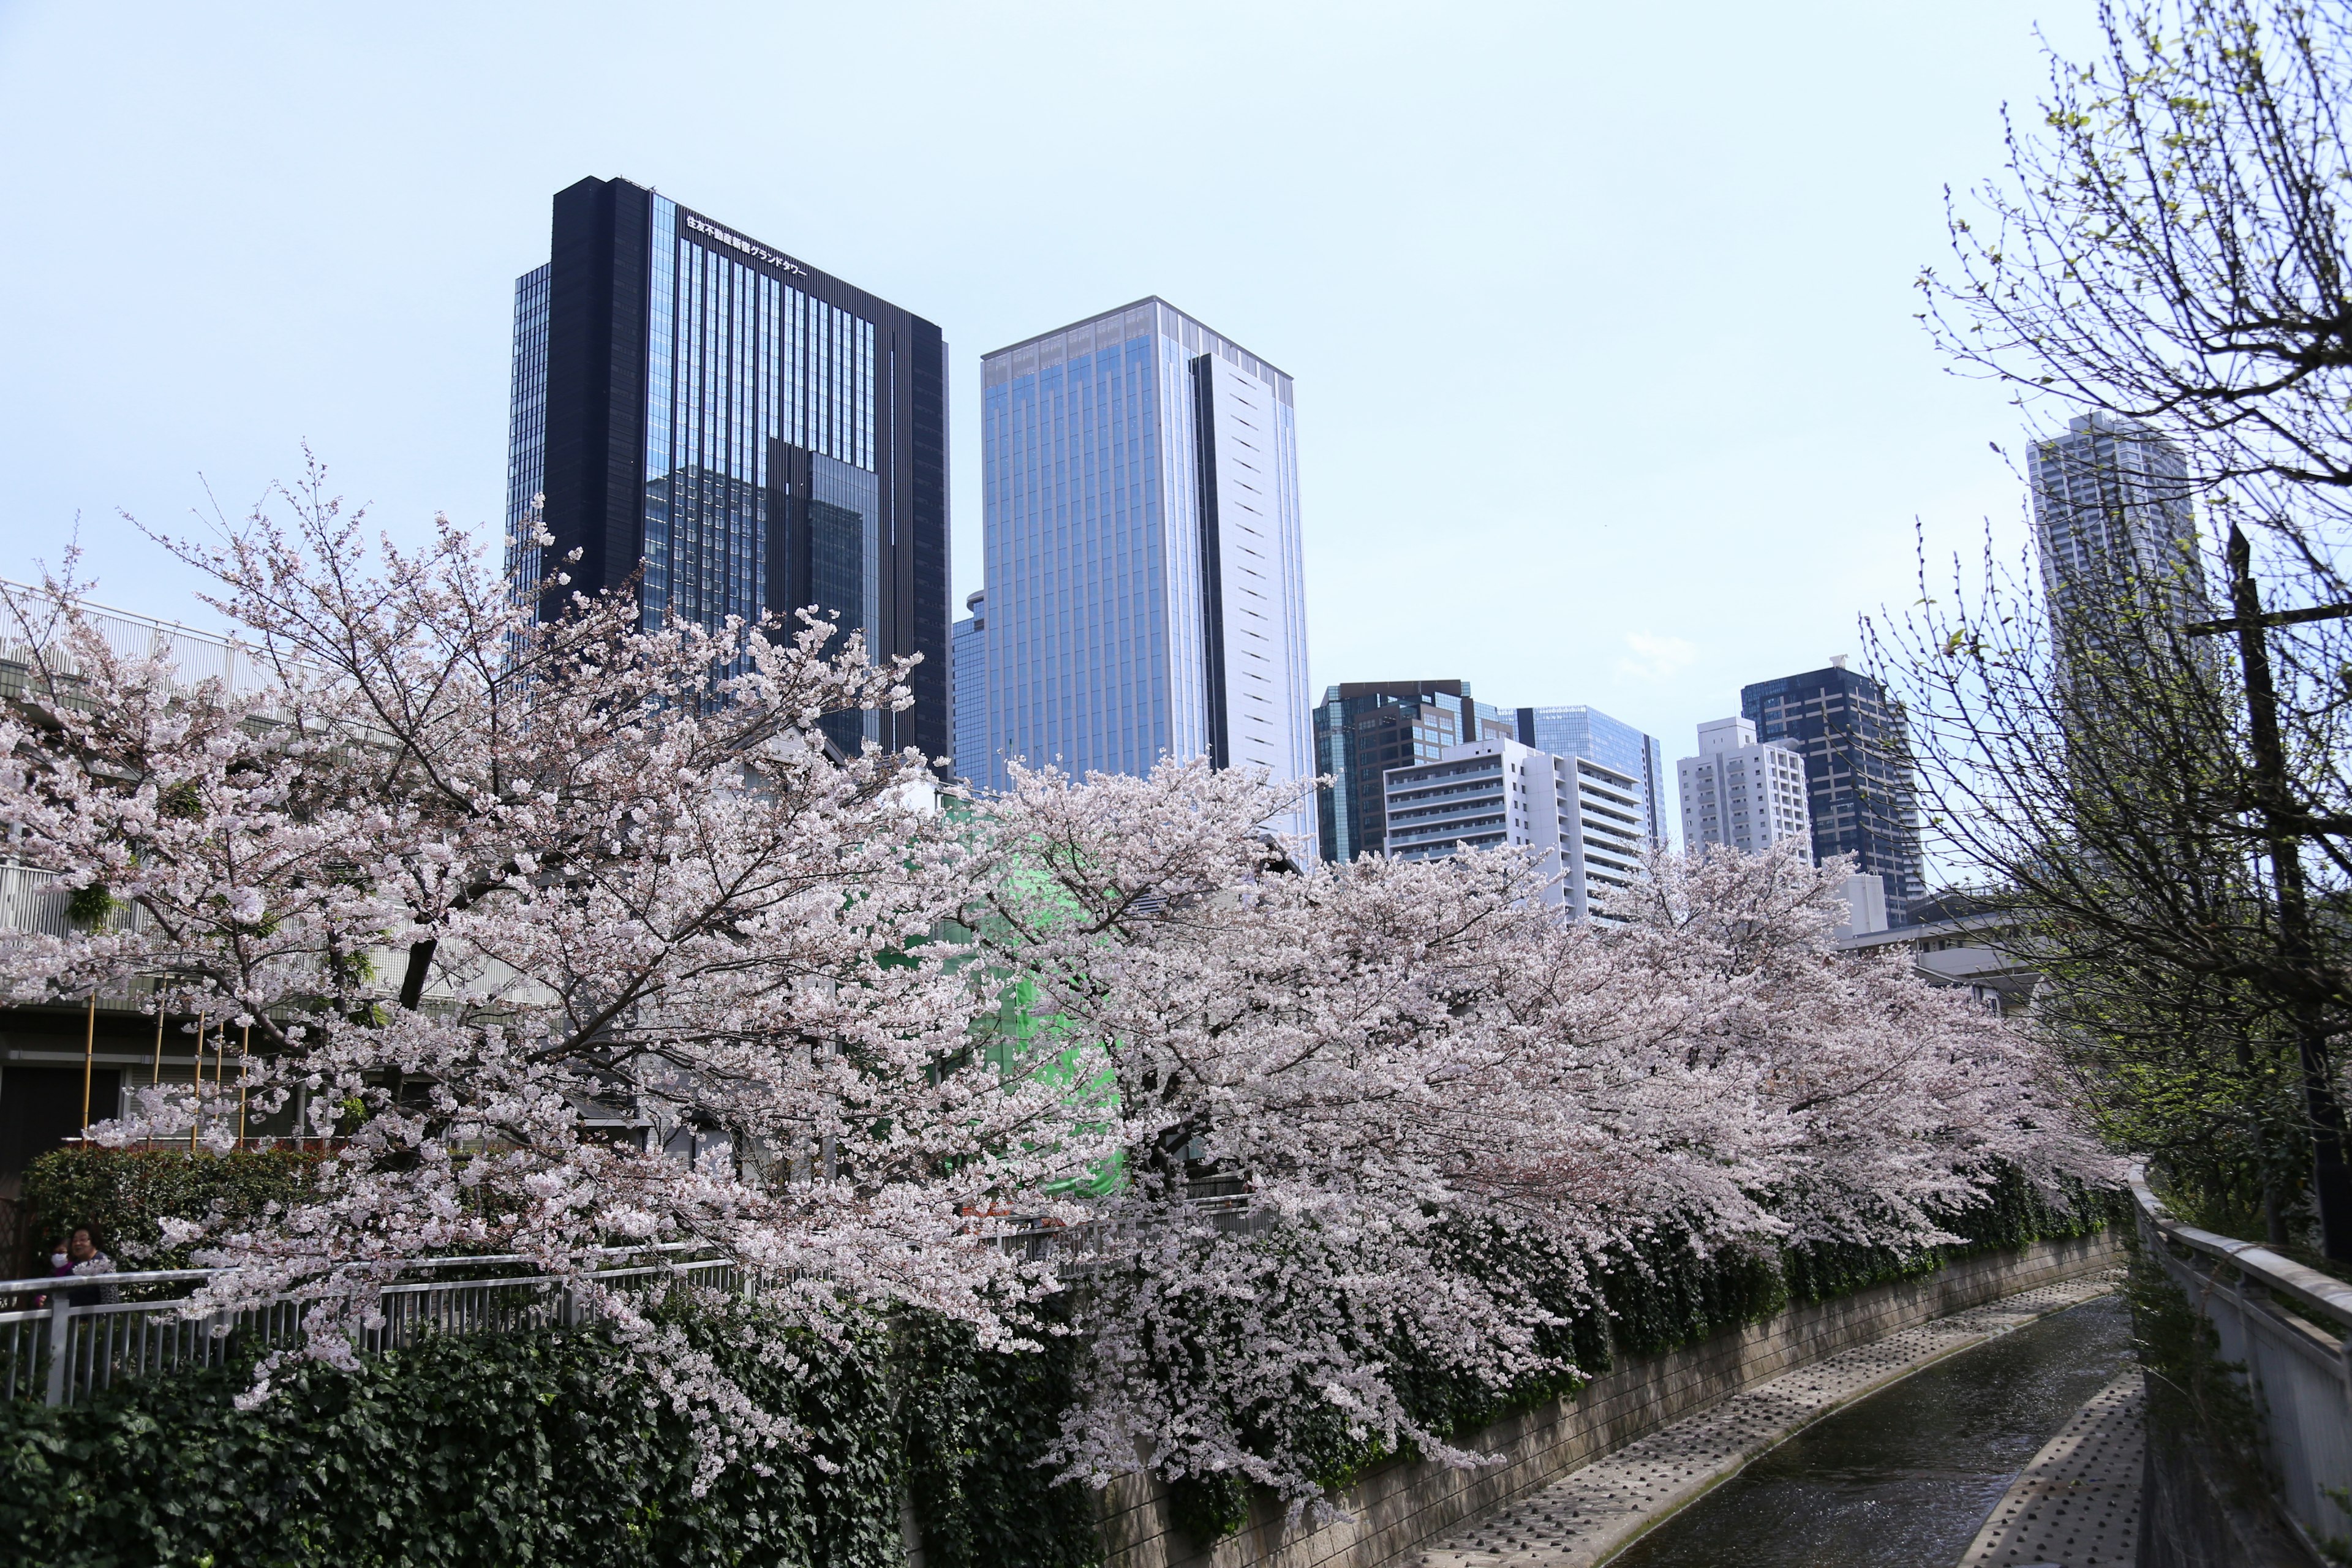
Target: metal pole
88, 1052
244, 1078
197, 1106
60, 1338
155, 1073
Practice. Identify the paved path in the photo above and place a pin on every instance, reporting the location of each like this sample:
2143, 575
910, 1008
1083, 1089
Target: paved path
1589, 1514
2077, 1505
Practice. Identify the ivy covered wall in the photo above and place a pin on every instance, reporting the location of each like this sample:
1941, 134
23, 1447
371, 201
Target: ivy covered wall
509, 1450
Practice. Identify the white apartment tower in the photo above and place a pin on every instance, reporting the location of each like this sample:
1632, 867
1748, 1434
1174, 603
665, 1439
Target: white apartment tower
1740, 792
1589, 821
2111, 504
1751, 795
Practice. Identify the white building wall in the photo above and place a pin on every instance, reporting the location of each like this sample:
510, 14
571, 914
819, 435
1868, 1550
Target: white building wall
1585, 821
1738, 791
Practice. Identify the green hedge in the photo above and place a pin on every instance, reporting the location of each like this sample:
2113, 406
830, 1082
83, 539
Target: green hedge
125, 1195
509, 1450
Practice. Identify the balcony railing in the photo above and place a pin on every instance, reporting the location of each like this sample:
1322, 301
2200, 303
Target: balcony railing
2286, 1325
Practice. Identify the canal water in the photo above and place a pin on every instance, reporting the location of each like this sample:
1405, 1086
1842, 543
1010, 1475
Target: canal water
1904, 1478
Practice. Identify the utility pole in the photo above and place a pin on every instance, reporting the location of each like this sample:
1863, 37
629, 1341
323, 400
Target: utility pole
2331, 1177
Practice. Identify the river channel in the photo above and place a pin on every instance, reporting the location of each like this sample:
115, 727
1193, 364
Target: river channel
1903, 1479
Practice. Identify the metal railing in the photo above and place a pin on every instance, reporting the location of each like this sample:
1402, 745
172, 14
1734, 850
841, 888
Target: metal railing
2287, 1326
62, 1350
29, 630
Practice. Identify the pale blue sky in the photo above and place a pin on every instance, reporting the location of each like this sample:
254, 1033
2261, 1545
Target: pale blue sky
1609, 386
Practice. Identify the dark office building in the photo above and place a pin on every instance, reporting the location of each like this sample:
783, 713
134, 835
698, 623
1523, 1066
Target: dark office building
753, 434
1365, 728
1856, 772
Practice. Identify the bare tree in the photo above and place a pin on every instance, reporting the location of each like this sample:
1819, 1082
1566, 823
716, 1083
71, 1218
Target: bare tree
2170, 247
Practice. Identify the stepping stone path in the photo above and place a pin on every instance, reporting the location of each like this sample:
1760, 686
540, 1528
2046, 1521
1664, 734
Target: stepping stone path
2077, 1505
1591, 1513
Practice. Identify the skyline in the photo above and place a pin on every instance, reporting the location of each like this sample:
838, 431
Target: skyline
1664, 449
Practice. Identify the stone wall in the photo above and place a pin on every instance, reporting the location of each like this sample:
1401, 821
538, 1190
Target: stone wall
1399, 1506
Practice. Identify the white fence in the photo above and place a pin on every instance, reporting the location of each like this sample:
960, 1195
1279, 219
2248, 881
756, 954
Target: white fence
2286, 1325
64, 1351
27, 625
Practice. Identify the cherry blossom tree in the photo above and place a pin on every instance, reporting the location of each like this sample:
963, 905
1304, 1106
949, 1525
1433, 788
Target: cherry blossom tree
1444, 1104
505, 904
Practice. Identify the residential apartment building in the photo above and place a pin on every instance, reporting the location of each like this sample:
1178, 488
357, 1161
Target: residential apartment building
1140, 487
1584, 819
735, 432
1743, 792
1859, 793
1363, 729
2111, 500
1752, 795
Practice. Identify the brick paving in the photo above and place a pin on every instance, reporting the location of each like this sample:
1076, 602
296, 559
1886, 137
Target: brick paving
1591, 1513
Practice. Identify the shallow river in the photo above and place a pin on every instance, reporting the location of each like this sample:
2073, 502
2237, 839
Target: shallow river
1904, 1478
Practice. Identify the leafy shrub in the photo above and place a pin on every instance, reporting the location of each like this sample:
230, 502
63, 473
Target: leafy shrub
127, 1194
506, 1450
976, 1425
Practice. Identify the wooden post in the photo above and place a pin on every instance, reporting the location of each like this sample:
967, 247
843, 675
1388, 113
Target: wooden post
88, 1052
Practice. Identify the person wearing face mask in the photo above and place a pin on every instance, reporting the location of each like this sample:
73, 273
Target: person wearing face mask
83, 1260
60, 1267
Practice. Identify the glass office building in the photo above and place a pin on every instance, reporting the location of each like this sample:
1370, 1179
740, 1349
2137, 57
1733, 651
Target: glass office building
1593, 735
1140, 527
735, 431
1362, 729
968, 672
1857, 772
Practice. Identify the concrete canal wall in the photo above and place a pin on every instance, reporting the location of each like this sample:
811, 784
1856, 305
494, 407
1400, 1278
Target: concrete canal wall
1399, 1506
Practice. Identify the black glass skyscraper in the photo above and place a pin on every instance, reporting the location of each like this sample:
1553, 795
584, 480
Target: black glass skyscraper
747, 432
1857, 771
1365, 728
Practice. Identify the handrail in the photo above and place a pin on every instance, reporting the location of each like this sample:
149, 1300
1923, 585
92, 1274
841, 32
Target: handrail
2318, 1291
46, 1283
1221, 1203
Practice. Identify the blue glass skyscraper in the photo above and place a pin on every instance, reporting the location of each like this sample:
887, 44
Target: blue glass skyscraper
968, 668
1593, 735
738, 431
1140, 533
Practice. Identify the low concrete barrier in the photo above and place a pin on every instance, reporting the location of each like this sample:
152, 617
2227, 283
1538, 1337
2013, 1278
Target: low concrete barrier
2281, 1328
1399, 1506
